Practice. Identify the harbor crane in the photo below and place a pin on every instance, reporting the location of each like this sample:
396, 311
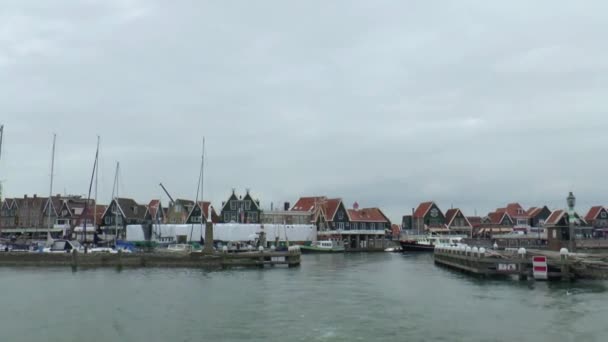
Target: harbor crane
167, 192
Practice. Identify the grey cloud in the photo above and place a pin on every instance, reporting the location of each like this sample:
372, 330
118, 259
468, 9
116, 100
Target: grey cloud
388, 103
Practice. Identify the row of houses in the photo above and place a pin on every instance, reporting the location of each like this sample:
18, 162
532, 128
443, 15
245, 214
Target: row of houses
428, 217
32, 214
357, 226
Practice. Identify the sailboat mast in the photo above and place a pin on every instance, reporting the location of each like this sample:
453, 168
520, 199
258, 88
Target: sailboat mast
50, 225
199, 191
116, 204
1, 136
96, 178
203, 189
85, 212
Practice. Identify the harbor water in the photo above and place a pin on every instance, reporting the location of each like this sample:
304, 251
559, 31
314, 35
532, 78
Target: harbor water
353, 297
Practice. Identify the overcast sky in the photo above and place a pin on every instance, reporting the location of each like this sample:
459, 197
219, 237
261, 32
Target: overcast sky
389, 103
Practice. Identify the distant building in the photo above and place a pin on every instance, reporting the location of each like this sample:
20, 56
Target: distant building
597, 217
155, 212
288, 217
178, 211
199, 213
34, 215
458, 223
538, 216
428, 216
558, 228
123, 212
241, 209
358, 228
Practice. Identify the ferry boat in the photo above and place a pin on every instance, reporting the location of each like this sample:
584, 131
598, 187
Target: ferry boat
322, 247
427, 243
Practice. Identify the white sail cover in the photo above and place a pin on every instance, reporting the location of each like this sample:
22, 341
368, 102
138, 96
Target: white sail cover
226, 232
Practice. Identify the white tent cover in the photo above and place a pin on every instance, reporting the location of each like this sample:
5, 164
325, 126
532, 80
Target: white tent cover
227, 232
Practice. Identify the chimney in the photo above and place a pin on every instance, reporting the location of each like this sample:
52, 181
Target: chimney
35, 195
286, 206
271, 206
24, 196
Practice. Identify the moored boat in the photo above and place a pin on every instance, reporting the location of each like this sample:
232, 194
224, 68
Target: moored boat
427, 243
322, 247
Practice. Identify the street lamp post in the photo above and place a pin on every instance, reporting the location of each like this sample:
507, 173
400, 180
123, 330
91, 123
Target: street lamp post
571, 203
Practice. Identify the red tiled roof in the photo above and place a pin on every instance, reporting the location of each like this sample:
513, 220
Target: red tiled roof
205, 205
100, 210
497, 216
533, 211
475, 221
153, 207
422, 209
555, 216
593, 212
516, 210
330, 207
450, 214
367, 215
307, 203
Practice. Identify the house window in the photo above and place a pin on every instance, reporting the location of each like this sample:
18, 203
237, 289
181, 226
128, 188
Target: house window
233, 217
247, 205
341, 226
340, 215
232, 205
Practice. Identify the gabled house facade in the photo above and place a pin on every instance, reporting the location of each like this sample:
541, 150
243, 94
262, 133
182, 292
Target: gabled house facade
357, 229
155, 212
457, 222
8, 213
428, 216
558, 228
538, 216
241, 209
178, 211
518, 215
501, 218
202, 208
597, 217
122, 212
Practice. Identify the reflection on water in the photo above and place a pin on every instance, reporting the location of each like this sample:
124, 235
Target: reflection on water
356, 297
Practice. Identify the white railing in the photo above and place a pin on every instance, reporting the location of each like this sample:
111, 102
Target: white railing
351, 232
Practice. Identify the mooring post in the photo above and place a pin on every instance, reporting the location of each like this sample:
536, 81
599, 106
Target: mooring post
208, 248
74, 260
521, 267
565, 267
119, 266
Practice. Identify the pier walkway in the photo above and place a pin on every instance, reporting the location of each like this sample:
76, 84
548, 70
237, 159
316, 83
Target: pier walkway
523, 263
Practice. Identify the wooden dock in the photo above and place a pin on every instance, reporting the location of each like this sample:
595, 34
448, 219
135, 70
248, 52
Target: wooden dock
75, 260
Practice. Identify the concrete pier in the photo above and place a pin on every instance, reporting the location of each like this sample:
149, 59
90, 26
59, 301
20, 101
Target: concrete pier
484, 262
76, 260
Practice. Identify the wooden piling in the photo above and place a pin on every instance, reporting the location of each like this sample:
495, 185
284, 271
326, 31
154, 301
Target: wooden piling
74, 261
